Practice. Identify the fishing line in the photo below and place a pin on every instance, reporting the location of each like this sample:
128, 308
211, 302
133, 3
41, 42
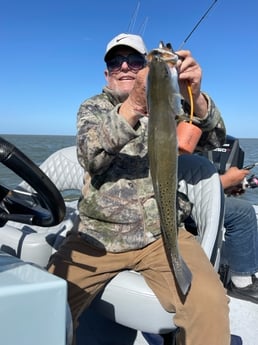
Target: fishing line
133, 19
189, 89
143, 27
196, 26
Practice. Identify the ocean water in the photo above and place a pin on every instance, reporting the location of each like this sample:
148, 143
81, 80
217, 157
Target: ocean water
36, 147
39, 147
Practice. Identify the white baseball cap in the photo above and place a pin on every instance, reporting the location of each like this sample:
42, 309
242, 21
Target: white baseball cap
129, 40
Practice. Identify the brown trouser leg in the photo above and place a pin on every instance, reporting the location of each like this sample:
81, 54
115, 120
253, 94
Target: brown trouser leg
202, 317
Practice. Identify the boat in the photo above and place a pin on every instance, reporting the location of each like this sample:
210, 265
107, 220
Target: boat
34, 219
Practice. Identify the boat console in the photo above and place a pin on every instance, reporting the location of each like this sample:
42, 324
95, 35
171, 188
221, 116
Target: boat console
33, 304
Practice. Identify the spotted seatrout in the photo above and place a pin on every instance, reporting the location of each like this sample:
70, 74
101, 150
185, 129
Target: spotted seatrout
163, 103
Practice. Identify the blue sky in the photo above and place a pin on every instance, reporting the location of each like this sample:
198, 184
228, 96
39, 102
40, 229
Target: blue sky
52, 56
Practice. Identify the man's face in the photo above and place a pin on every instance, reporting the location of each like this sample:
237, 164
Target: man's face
121, 74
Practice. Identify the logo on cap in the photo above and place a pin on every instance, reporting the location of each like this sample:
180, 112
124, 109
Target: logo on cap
119, 39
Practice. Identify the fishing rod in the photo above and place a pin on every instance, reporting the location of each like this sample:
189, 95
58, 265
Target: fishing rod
251, 166
197, 24
133, 21
135, 14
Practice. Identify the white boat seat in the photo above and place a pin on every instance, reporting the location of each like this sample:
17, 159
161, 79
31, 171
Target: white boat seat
128, 289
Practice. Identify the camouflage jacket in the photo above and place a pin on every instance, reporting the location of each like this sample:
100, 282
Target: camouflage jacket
117, 208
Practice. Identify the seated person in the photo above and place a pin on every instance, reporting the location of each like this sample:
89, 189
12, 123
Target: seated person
120, 228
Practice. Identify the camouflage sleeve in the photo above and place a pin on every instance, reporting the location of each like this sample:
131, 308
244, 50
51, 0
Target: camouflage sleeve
101, 133
213, 127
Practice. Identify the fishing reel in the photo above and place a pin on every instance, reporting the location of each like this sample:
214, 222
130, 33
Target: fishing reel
251, 182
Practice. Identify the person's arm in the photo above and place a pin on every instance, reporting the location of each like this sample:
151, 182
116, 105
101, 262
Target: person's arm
190, 74
232, 180
206, 115
101, 133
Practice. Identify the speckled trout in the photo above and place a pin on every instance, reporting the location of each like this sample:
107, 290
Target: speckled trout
163, 103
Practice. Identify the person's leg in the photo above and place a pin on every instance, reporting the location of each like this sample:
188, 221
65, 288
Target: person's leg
241, 237
86, 269
241, 249
203, 316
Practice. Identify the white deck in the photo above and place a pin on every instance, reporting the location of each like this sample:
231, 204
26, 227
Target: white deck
244, 320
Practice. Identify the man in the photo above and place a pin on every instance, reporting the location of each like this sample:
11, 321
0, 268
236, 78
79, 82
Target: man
120, 226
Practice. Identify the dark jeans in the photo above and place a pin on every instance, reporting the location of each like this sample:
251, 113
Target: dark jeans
240, 249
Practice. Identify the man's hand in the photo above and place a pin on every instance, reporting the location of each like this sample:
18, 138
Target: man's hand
190, 73
135, 105
232, 180
137, 96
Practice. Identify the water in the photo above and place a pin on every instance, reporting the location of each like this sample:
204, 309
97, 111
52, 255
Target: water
39, 147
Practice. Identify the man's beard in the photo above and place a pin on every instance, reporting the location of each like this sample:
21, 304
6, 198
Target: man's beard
120, 95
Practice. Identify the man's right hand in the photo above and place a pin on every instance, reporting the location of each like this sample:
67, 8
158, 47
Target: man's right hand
232, 180
135, 106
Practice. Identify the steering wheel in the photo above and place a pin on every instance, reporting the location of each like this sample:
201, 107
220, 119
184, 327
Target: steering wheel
45, 207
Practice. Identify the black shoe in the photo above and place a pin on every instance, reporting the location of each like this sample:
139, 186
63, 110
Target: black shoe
248, 293
236, 340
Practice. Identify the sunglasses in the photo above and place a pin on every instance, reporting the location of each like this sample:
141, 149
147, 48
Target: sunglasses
134, 62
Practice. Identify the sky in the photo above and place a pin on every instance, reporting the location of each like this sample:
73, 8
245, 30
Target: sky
51, 56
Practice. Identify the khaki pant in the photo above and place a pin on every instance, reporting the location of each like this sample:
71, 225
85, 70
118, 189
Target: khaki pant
202, 317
